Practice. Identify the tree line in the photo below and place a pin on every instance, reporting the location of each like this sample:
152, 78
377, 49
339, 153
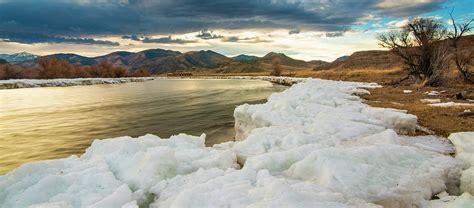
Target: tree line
428, 49
53, 68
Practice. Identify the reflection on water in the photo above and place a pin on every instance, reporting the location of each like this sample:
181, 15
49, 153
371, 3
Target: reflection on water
48, 123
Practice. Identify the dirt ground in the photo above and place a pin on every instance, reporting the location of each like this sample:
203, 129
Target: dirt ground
440, 120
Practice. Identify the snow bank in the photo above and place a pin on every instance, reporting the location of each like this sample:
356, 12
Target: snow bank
314, 145
112, 172
29, 83
322, 107
450, 104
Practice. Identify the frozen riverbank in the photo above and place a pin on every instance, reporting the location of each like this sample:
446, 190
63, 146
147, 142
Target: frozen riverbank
314, 145
30, 83
287, 81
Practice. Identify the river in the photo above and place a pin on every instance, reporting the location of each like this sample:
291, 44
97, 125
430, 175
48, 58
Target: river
56, 122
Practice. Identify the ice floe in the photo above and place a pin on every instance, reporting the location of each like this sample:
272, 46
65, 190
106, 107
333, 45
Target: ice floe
29, 83
314, 145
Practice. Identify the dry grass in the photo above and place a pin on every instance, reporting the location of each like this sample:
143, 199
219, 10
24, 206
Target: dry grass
442, 121
232, 74
360, 75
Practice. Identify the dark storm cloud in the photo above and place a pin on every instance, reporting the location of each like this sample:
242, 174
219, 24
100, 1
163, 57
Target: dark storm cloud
294, 31
118, 17
132, 37
166, 40
334, 34
31, 38
207, 35
408, 9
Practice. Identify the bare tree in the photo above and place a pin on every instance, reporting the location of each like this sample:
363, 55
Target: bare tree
276, 68
417, 43
440, 61
8, 71
461, 58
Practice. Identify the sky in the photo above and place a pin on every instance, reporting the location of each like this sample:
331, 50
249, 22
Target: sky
303, 29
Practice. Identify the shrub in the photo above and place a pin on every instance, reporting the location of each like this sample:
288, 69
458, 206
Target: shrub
276, 68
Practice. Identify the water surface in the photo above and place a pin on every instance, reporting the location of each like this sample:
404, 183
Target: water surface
56, 122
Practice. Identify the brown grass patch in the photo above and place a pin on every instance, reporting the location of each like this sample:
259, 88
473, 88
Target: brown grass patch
443, 121
380, 76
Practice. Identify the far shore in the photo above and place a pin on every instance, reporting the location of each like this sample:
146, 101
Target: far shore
31, 83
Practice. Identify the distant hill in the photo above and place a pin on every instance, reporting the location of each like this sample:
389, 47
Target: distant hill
162, 61
259, 64
18, 57
243, 57
342, 58
74, 58
182, 62
316, 63
3, 61
365, 59
285, 60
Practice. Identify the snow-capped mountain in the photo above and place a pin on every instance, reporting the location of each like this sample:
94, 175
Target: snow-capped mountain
17, 57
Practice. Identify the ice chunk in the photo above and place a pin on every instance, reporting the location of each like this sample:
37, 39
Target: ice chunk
59, 182
450, 104
467, 180
246, 188
464, 201
389, 175
430, 100
464, 144
432, 93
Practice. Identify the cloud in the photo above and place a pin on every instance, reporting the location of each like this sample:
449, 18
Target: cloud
234, 39
117, 17
294, 31
207, 35
396, 24
334, 34
166, 40
132, 37
400, 8
32, 38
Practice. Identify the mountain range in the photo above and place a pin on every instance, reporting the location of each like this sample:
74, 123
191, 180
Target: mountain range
18, 57
162, 61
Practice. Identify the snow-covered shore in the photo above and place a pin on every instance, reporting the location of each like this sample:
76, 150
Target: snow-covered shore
314, 145
30, 83
287, 81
